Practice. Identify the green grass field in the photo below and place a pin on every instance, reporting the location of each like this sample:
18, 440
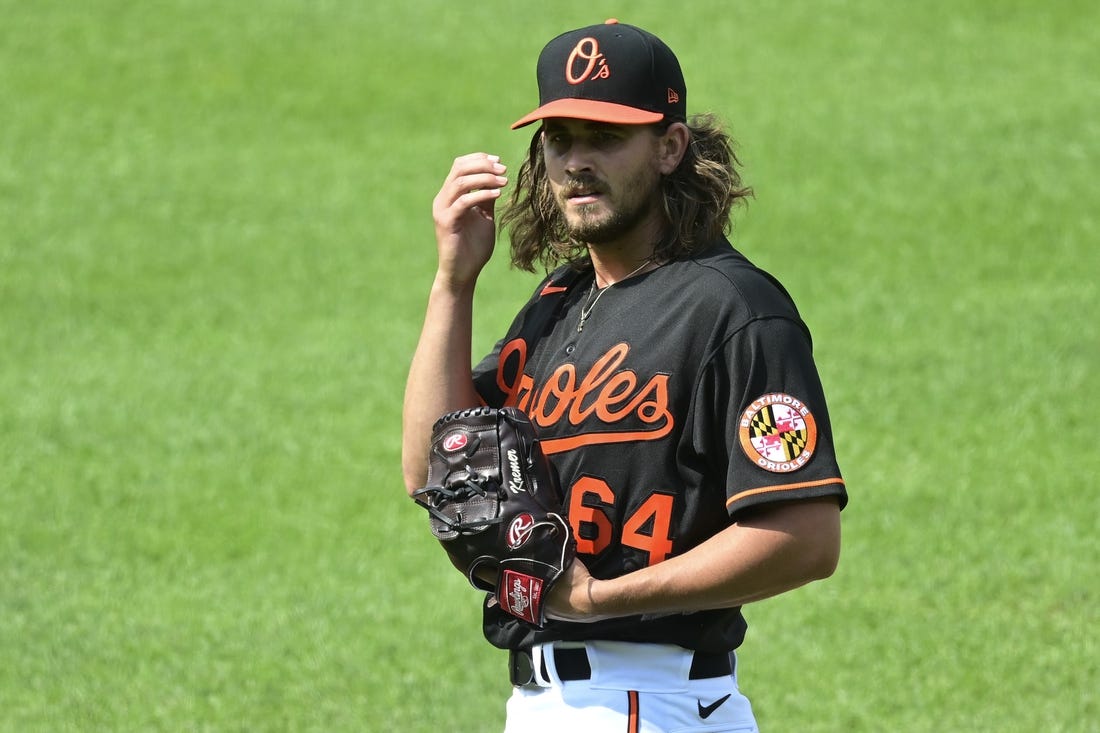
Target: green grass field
215, 244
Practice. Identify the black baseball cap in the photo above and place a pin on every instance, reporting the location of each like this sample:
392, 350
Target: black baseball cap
611, 72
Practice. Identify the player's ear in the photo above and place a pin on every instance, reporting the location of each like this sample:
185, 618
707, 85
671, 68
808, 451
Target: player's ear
672, 146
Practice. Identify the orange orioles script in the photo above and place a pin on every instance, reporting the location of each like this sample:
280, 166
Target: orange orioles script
607, 390
589, 50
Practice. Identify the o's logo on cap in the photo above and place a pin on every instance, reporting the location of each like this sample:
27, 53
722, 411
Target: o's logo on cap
778, 433
455, 442
587, 49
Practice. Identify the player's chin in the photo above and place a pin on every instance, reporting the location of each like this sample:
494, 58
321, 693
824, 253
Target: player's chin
593, 224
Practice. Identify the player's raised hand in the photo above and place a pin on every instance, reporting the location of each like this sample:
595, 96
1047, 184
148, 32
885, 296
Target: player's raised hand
465, 228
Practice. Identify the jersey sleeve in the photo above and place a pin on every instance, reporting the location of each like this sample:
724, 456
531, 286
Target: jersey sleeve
770, 432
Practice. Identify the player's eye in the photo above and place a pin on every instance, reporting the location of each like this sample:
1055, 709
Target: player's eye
557, 140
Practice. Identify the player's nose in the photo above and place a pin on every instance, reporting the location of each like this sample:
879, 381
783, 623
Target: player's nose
578, 158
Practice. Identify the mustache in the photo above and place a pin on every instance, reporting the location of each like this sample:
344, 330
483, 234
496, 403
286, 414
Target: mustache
581, 184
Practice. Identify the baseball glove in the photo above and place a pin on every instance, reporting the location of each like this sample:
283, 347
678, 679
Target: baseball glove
494, 504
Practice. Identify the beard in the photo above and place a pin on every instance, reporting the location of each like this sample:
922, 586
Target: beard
606, 221
596, 227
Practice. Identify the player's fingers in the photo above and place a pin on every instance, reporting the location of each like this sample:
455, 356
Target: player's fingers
476, 163
470, 173
465, 193
468, 209
458, 186
479, 198
474, 183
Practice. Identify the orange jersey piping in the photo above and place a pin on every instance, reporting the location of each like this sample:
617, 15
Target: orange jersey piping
782, 487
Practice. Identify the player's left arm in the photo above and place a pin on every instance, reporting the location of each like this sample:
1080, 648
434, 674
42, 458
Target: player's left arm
771, 550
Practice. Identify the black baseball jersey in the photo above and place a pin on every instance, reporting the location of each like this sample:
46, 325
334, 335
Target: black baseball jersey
689, 395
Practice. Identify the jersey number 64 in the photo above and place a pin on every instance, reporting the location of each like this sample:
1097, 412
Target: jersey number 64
647, 529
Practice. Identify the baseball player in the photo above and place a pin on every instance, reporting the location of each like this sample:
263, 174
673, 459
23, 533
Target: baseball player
671, 381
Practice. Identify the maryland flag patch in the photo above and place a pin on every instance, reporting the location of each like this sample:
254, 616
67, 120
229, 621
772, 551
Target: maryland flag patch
778, 433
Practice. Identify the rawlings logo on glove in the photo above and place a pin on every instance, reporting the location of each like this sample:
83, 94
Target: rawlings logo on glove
494, 504
520, 530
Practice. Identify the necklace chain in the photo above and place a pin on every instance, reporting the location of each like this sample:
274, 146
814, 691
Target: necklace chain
590, 302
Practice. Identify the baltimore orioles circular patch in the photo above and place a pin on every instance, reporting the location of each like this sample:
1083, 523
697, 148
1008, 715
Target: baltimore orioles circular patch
778, 433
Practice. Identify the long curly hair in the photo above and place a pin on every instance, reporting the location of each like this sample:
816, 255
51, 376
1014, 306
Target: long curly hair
697, 199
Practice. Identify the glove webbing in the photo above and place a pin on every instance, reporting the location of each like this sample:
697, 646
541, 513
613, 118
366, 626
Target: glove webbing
473, 485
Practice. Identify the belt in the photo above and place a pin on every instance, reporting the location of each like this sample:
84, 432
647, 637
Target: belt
572, 664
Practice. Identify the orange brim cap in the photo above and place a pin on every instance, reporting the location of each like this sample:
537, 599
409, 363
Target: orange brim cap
589, 109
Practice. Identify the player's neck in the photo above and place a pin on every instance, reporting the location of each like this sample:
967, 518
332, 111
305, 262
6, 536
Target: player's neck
615, 262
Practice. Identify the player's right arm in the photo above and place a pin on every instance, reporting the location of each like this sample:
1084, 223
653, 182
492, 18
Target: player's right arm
440, 376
